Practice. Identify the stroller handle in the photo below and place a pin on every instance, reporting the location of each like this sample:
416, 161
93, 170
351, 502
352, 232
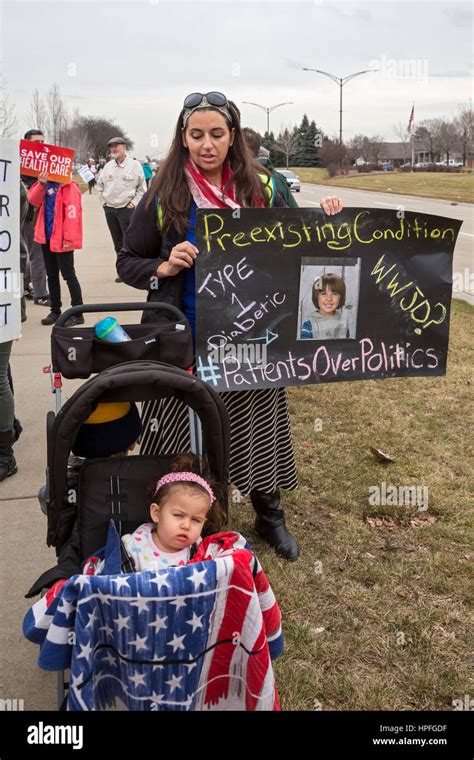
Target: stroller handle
135, 306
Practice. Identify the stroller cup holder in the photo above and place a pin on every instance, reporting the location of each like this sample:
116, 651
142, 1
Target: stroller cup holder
76, 352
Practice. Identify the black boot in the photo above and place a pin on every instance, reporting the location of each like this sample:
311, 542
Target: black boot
7, 460
52, 317
17, 429
270, 523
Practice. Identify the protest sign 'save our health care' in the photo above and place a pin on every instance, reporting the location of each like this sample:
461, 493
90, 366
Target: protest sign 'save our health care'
37, 157
259, 274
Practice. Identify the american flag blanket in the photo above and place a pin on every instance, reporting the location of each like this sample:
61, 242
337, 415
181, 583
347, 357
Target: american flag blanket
196, 637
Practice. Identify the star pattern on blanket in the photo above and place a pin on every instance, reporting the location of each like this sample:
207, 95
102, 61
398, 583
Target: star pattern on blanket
194, 637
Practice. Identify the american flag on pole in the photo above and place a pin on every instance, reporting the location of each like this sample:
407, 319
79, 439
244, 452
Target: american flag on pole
196, 637
411, 119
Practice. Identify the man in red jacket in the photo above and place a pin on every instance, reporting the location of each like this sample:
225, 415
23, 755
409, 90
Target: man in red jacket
59, 231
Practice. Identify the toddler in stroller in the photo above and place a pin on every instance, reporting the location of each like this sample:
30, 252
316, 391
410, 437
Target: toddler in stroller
199, 636
182, 503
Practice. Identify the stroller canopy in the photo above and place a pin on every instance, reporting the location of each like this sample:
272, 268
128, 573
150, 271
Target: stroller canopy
132, 381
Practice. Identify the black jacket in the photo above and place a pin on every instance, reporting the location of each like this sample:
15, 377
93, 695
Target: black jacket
29, 181
144, 249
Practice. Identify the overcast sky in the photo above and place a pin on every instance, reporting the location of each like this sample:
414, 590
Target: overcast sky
135, 61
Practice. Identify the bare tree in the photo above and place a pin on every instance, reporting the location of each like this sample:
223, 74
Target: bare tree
286, 143
78, 138
56, 116
8, 120
330, 153
36, 118
404, 137
359, 146
89, 136
447, 138
427, 133
465, 125
376, 143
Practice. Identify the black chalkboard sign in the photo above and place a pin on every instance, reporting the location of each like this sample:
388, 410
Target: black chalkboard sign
293, 296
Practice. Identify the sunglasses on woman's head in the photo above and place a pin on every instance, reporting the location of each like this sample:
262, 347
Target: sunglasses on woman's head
213, 98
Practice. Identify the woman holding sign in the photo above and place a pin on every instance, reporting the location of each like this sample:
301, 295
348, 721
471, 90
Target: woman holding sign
59, 231
209, 166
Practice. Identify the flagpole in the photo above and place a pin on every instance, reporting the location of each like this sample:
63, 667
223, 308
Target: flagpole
413, 140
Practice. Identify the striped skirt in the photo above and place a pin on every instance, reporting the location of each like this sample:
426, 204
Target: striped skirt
261, 451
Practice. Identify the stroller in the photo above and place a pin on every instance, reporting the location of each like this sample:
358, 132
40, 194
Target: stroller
153, 365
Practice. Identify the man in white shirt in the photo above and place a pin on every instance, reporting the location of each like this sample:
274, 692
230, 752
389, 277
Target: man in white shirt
120, 186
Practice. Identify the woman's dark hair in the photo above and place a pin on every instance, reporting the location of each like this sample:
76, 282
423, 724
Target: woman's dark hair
189, 462
253, 140
332, 281
171, 186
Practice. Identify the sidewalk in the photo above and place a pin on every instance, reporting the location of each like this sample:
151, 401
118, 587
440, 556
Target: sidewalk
23, 551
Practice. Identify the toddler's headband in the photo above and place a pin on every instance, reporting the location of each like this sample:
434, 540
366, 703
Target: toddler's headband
177, 477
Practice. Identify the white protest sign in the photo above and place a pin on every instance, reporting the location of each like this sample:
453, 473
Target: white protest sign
85, 173
11, 279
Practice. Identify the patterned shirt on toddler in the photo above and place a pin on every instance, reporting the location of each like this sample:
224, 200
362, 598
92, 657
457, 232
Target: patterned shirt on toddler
147, 555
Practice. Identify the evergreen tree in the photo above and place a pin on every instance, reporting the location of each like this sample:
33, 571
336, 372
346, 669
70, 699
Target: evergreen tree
269, 142
307, 147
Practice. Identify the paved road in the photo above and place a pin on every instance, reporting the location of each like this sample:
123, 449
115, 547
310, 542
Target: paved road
464, 250
23, 552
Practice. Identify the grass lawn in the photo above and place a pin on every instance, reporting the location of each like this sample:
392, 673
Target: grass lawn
451, 187
376, 611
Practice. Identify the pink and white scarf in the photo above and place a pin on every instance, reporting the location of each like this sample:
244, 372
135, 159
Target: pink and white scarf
207, 195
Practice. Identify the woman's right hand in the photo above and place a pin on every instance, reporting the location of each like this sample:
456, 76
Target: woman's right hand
43, 178
182, 256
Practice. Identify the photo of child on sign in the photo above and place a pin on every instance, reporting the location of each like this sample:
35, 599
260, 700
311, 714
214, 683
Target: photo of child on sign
328, 300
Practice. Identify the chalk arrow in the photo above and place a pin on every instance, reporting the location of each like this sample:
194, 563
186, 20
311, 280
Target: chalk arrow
269, 337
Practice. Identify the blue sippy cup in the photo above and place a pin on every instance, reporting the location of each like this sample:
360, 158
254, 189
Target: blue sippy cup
109, 330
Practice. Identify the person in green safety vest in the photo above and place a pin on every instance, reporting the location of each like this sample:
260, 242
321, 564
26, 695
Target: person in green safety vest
254, 144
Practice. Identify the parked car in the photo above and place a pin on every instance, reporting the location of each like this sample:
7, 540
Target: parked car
387, 167
292, 179
452, 162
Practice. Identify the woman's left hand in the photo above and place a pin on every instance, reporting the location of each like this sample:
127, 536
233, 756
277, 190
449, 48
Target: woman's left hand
331, 204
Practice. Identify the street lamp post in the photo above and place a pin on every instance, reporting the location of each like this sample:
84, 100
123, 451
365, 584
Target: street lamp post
341, 81
268, 109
